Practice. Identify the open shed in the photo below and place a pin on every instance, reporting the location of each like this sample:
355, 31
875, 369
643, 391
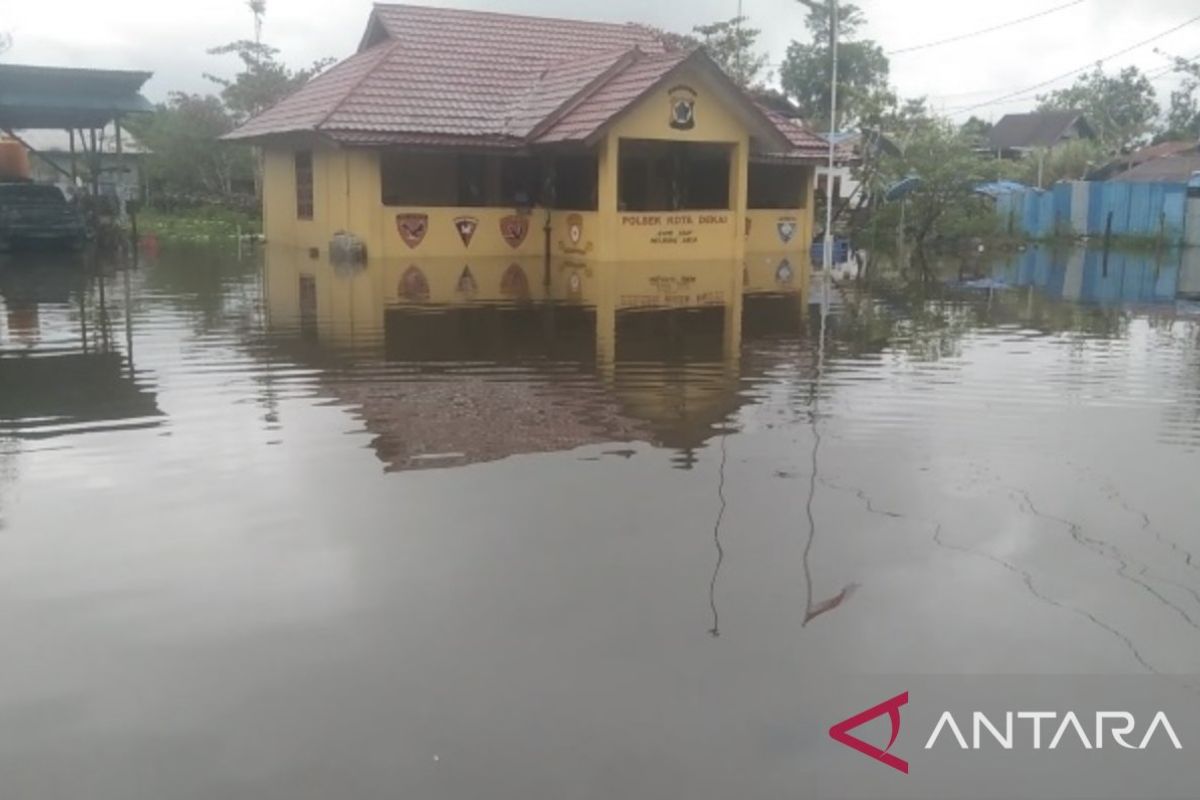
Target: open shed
80, 101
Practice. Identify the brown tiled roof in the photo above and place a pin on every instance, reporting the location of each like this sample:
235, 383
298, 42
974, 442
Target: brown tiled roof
311, 106
614, 96
805, 143
434, 76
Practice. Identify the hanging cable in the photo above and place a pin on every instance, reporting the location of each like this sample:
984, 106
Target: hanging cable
983, 31
1056, 78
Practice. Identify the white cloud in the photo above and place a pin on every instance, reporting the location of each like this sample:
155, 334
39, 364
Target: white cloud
170, 38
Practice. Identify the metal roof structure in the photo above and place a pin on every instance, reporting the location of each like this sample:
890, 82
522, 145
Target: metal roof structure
65, 97
1036, 129
448, 77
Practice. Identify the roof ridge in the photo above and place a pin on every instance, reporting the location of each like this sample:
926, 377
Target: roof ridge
387, 47
542, 17
623, 61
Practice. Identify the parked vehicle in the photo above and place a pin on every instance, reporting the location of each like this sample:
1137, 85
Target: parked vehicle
31, 214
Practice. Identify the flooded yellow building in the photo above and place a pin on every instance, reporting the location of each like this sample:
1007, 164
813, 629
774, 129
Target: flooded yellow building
457, 138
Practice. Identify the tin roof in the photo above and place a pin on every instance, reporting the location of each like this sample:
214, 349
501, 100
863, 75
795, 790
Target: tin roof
66, 97
436, 76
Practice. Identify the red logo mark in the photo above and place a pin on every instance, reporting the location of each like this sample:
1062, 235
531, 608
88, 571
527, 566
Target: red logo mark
841, 731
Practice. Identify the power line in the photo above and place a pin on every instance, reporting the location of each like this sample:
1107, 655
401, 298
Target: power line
1001, 26
1153, 76
1056, 78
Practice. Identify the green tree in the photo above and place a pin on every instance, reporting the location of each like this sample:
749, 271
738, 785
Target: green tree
1183, 113
862, 68
185, 154
949, 168
1120, 108
1069, 161
976, 130
732, 45
263, 80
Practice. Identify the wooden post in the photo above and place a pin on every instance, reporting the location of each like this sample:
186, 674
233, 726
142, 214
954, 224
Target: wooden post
1107, 244
95, 165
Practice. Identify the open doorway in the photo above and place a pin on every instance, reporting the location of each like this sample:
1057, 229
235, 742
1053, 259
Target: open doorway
673, 176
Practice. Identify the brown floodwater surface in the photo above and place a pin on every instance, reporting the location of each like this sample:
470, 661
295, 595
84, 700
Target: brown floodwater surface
275, 529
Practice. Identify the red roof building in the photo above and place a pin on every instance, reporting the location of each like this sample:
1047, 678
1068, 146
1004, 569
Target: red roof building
448, 128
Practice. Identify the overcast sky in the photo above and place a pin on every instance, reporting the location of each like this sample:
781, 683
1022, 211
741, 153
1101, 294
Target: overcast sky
169, 37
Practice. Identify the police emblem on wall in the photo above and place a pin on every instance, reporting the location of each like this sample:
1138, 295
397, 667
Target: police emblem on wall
784, 273
575, 243
683, 107
787, 228
466, 227
412, 227
413, 285
466, 283
514, 283
513, 228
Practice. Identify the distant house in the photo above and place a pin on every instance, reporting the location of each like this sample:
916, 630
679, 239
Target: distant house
1167, 162
1017, 134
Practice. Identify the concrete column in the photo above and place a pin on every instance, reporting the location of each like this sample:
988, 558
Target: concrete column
739, 186
608, 165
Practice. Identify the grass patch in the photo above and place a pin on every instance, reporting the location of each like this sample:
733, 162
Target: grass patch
206, 224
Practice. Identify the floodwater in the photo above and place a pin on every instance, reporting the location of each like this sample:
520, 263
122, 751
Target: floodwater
275, 529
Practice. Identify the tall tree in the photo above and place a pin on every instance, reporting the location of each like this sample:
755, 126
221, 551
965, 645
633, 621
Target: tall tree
185, 154
1183, 113
949, 168
732, 45
862, 67
263, 80
1120, 108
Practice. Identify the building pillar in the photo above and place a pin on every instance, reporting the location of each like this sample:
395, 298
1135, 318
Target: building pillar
608, 165
739, 186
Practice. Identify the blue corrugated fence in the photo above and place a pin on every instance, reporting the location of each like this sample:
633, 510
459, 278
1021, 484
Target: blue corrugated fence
1135, 209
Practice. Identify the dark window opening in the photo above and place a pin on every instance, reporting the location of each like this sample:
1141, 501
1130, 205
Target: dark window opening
777, 186
472, 181
576, 183
419, 179
520, 181
673, 176
304, 185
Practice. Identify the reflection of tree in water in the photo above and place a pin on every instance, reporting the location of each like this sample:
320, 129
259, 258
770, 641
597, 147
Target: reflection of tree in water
928, 319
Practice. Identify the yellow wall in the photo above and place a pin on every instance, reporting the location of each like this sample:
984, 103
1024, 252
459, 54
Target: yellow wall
346, 194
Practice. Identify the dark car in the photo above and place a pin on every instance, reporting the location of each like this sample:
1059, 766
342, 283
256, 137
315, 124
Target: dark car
31, 213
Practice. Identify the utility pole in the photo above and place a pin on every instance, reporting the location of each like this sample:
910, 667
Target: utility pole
828, 248
737, 43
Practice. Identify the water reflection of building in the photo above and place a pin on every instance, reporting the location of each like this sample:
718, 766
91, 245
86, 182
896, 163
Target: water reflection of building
457, 361
58, 386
